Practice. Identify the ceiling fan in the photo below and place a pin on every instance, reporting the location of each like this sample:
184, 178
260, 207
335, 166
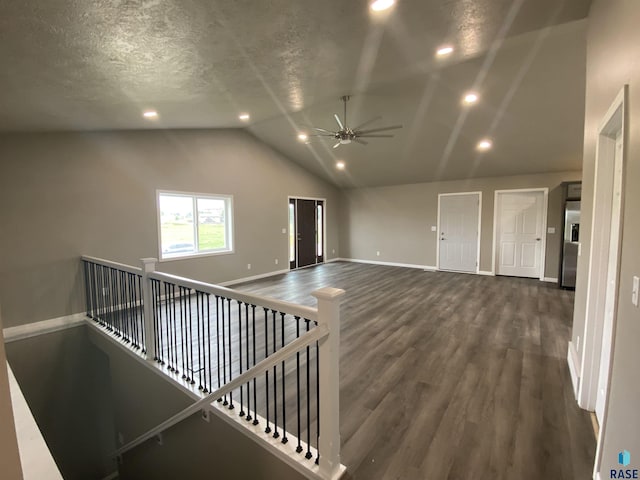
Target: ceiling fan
346, 134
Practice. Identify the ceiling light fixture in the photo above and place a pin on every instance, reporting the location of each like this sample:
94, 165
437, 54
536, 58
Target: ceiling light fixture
470, 98
244, 117
340, 165
303, 137
380, 5
444, 51
484, 145
150, 114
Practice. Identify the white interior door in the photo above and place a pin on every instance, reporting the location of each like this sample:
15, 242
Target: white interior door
458, 232
612, 283
520, 228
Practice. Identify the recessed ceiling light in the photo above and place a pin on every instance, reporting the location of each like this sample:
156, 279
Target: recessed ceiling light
470, 98
150, 114
244, 117
303, 137
380, 5
444, 51
484, 145
340, 165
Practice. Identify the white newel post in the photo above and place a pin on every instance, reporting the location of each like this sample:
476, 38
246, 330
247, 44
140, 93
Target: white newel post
329, 380
148, 266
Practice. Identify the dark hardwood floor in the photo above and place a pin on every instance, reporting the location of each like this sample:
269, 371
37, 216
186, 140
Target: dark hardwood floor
450, 376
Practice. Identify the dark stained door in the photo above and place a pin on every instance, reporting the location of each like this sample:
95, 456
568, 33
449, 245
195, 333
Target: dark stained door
309, 220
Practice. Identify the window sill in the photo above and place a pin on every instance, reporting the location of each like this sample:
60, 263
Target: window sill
195, 255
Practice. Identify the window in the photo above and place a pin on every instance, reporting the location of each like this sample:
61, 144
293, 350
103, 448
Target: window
193, 224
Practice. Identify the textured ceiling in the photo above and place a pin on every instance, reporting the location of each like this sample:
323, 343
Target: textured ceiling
96, 64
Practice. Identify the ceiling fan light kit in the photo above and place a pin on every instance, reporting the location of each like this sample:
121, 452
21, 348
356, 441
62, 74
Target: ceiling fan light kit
345, 135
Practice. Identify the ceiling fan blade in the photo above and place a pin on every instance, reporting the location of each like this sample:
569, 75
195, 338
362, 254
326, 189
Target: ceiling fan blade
381, 129
360, 141
338, 120
367, 123
375, 136
324, 130
322, 135
336, 145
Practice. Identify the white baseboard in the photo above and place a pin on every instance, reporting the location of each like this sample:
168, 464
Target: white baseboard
254, 277
572, 360
20, 332
111, 476
488, 274
389, 264
550, 280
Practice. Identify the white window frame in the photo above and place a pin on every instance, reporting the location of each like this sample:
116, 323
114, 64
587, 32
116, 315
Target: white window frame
228, 222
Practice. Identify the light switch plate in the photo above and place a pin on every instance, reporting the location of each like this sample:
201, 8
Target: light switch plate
434, 228
634, 291
551, 230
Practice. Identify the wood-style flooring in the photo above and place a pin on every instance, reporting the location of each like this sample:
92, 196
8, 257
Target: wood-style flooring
450, 376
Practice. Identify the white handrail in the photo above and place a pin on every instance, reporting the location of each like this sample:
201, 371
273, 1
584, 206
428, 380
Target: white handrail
284, 353
279, 305
109, 263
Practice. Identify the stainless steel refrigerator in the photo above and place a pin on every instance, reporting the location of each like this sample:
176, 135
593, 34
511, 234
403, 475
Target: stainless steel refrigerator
570, 245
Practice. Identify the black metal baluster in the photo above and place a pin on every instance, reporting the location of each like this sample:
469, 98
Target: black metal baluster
266, 373
255, 390
299, 447
284, 401
124, 306
143, 332
161, 353
113, 297
183, 331
308, 455
175, 329
231, 407
199, 300
275, 379
154, 333
133, 280
240, 356
246, 322
99, 295
208, 346
191, 378
218, 340
130, 311
167, 321
224, 350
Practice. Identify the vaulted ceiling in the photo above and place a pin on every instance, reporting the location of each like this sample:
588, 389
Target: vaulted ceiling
98, 64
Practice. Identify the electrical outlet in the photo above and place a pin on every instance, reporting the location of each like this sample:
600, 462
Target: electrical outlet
377, 253
333, 250
434, 228
276, 261
634, 290
284, 230
206, 416
248, 266
551, 230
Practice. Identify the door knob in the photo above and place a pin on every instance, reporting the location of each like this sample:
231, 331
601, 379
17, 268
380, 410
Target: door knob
538, 239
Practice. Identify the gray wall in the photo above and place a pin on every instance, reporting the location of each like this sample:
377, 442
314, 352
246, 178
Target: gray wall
193, 449
612, 61
64, 195
397, 220
65, 380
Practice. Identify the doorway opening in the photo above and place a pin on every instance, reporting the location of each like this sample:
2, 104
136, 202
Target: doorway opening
604, 262
306, 231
